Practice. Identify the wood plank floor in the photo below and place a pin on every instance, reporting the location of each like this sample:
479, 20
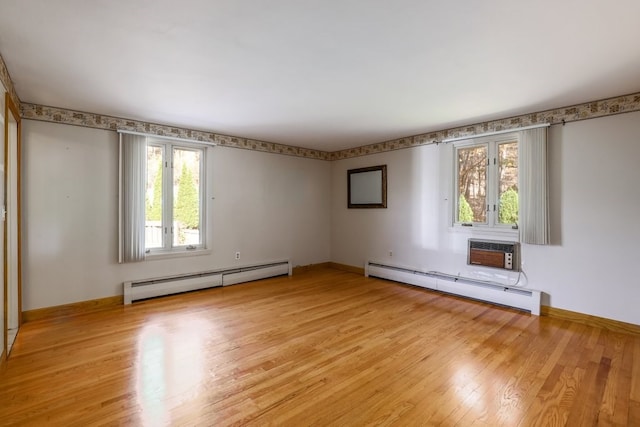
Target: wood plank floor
321, 348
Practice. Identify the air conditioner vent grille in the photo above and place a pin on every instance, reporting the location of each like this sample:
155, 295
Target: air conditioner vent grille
487, 245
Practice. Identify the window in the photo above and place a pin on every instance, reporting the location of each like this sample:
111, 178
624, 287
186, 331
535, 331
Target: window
173, 196
161, 201
486, 182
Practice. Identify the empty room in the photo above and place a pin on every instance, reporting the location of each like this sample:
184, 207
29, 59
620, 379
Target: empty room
316, 213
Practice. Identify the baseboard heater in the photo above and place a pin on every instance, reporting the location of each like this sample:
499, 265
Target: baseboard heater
150, 288
511, 296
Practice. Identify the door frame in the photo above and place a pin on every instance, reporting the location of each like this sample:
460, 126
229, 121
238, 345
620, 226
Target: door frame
14, 111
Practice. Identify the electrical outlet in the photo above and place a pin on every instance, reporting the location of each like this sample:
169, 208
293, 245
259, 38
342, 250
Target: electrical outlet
390, 253
237, 255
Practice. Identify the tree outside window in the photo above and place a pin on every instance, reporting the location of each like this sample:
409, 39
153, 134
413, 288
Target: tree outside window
487, 183
174, 202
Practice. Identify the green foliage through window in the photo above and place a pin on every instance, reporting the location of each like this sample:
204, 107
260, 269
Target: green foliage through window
173, 204
188, 203
465, 214
487, 182
509, 207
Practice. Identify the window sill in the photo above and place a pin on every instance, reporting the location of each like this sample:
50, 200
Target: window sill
176, 254
486, 231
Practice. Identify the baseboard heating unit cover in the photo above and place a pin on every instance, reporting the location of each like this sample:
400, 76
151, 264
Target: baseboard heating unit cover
512, 296
150, 288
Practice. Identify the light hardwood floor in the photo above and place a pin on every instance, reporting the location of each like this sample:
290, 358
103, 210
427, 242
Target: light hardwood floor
321, 348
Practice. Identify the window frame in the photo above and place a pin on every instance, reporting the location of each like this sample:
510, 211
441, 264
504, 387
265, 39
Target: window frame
492, 182
168, 248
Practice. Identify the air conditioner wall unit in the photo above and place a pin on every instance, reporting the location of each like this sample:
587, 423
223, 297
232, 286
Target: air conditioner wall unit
494, 253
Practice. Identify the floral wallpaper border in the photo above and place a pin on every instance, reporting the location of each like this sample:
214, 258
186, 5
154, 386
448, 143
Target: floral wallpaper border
98, 121
5, 78
589, 110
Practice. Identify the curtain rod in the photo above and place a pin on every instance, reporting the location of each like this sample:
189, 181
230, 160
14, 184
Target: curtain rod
174, 138
498, 132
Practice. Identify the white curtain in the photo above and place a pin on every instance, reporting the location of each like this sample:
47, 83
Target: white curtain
133, 173
534, 199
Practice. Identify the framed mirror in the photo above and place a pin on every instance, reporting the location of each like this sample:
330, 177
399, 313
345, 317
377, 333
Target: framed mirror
367, 187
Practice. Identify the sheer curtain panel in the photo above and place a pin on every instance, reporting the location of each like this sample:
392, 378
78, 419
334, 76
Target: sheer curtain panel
133, 161
534, 199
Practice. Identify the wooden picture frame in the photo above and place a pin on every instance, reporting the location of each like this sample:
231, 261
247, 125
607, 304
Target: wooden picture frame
367, 187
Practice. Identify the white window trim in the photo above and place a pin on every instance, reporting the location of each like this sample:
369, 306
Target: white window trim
160, 255
169, 250
491, 226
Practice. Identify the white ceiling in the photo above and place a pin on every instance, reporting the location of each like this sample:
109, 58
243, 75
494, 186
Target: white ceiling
323, 74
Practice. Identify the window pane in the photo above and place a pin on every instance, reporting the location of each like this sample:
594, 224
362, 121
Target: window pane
186, 197
472, 184
153, 202
508, 183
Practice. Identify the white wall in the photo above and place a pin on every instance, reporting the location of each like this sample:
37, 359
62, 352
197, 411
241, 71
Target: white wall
595, 206
267, 206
